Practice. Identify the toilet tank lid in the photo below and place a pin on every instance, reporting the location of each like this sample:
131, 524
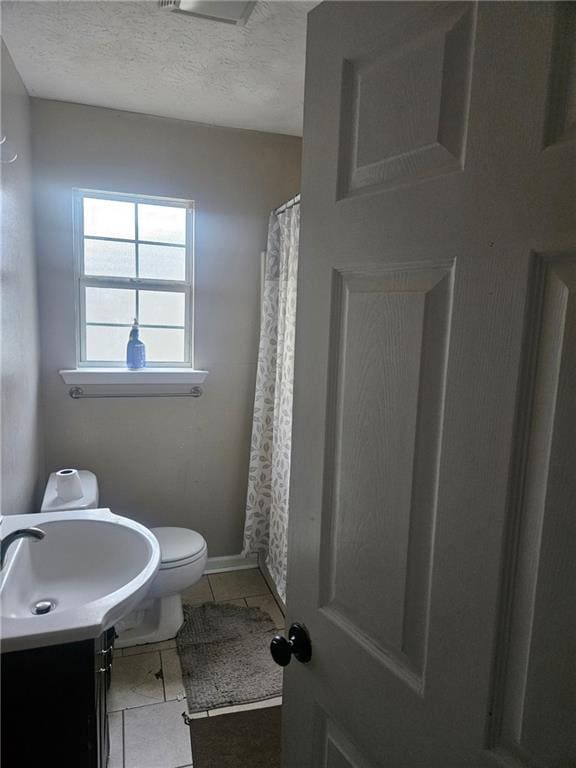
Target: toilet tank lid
178, 543
89, 499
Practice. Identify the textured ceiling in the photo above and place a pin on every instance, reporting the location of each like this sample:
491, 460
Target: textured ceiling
134, 56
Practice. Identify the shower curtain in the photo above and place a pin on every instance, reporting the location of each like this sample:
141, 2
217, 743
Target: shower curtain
269, 474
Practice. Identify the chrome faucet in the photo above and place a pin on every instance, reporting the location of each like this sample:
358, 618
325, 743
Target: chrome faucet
21, 533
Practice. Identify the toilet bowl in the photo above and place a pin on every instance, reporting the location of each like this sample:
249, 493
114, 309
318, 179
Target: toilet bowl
183, 555
182, 560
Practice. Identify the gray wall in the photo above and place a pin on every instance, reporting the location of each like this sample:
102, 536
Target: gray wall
162, 461
19, 365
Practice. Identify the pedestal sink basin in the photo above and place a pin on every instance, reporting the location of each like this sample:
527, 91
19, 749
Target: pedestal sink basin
90, 569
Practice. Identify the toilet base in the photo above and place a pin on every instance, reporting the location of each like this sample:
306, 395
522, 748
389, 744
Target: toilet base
153, 622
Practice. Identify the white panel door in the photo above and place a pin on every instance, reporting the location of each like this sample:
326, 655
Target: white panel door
432, 551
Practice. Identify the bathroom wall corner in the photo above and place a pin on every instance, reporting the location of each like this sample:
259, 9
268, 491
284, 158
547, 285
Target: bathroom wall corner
22, 471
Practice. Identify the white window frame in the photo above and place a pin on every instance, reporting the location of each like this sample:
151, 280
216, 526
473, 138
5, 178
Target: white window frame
84, 281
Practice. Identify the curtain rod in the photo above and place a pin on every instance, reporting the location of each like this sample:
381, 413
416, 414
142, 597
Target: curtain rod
289, 204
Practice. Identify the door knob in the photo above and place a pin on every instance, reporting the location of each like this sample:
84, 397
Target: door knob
297, 645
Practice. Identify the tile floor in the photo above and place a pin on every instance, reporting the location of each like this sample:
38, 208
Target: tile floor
147, 696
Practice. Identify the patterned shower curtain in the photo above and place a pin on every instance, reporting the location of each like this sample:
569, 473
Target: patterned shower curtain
269, 475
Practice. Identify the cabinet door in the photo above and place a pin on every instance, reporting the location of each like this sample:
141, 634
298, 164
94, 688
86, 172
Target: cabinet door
103, 656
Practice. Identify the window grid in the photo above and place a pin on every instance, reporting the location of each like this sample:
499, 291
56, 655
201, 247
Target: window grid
136, 284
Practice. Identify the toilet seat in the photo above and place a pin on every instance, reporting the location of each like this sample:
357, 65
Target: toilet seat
179, 546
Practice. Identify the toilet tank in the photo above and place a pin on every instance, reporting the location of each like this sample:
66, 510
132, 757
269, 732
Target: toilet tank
87, 496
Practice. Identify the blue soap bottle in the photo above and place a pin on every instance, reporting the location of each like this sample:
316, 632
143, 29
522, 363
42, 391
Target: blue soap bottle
135, 351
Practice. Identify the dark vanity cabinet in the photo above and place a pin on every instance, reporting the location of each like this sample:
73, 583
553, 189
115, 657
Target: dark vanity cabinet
53, 705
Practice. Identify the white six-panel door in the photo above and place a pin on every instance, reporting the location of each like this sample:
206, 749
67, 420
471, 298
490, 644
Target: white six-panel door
432, 546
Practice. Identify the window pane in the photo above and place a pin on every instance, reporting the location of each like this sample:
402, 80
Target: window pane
108, 218
162, 308
163, 345
160, 223
110, 305
105, 343
162, 262
107, 257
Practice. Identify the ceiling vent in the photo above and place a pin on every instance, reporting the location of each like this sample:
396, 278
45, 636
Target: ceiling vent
231, 12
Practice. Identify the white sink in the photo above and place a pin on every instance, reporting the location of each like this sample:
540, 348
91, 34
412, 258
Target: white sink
94, 567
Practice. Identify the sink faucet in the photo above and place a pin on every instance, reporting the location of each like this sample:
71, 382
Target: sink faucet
21, 533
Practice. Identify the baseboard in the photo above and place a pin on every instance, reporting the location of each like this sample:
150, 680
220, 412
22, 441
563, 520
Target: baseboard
231, 563
270, 581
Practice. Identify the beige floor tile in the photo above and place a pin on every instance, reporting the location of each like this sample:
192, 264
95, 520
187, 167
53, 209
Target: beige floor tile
227, 586
268, 604
198, 593
172, 672
116, 731
197, 715
235, 601
191, 601
157, 736
136, 681
135, 650
274, 702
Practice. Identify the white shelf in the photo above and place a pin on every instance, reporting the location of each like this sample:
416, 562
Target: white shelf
81, 376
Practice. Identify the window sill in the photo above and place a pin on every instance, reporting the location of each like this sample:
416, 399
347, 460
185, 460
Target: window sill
146, 376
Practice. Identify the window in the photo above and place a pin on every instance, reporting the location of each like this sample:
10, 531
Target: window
135, 260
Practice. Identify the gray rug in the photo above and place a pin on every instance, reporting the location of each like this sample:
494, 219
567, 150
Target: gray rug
242, 740
225, 657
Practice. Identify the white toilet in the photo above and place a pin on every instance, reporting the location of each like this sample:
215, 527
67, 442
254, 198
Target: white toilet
182, 563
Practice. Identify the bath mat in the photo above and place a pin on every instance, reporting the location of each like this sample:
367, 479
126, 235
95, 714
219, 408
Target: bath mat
225, 657
241, 740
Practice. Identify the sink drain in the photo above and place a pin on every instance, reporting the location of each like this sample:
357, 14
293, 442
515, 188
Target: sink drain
43, 606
